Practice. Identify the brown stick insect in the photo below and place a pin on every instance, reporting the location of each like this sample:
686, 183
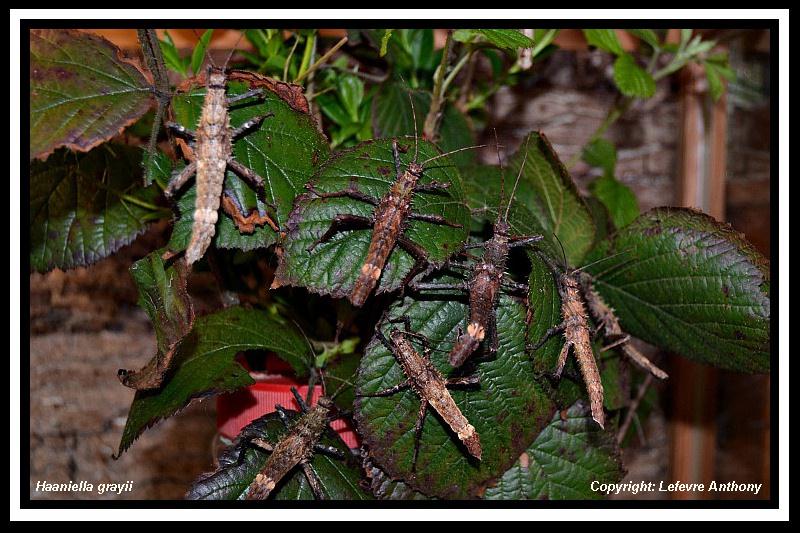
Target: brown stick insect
297, 447
213, 155
388, 221
430, 385
575, 328
487, 278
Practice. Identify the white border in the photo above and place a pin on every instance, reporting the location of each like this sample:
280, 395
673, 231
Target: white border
782, 373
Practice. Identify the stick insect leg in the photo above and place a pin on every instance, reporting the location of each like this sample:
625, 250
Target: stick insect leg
387, 392
180, 178
349, 193
313, 481
416, 251
616, 342
562, 359
464, 381
180, 130
396, 156
255, 181
329, 450
340, 223
513, 286
524, 240
432, 186
249, 124
423, 410
235, 98
258, 442
547, 335
282, 414
434, 219
437, 286
299, 399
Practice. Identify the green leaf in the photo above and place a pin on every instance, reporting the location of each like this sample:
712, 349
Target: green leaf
172, 57
543, 38
332, 267
618, 198
505, 39
284, 150
163, 296
84, 207
386, 488
507, 410
600, 153
82, 92
715, 72
157, 167
387, 34
648, 36
240, 463
204, 364
691, 285
563, 462
392, 117
547, 189
605, 40
351, 94
199, 52
631, 79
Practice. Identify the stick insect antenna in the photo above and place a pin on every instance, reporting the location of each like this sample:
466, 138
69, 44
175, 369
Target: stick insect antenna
205, 52
233, 50
519, 175
434, 158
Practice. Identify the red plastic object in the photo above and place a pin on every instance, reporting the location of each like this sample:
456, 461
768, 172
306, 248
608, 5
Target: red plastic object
237, 409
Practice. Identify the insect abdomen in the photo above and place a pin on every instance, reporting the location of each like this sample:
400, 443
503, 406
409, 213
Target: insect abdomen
212, 151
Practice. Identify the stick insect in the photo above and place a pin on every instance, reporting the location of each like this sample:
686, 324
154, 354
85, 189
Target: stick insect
297, 447
487, 278
430, 385
389, 219
213, 149
575, 327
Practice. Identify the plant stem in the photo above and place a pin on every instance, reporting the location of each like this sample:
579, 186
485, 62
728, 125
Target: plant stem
623, 429
321, 60
430, 130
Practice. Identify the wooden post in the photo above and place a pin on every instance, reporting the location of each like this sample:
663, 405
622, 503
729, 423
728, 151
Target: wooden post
702, 186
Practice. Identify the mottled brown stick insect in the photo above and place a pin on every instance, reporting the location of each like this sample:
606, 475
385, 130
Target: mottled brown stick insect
389, 220
575, 327
213, 155
608, 323
297, 447
431, 387
486, 280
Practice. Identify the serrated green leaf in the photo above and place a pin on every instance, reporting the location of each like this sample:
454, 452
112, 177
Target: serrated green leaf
385, 488
691, 285
631, 79
605, 40
86, 206
82, 93
392, 117
618, 198
163, 296
507, 410
332, 267
547, 189
563, 462
204, 364
284, 150
508, 39
157, 167
241, 462
199, 52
